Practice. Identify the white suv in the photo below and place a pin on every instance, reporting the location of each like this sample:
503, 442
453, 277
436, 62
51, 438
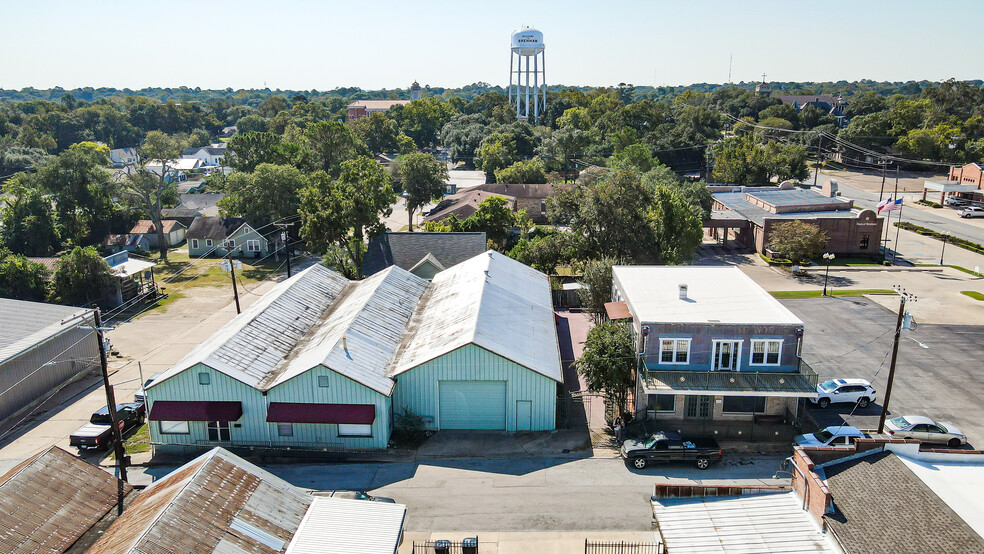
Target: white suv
855, 391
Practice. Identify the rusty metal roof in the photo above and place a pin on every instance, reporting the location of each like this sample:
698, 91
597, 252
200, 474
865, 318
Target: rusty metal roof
50, 500
217, 502
617, 310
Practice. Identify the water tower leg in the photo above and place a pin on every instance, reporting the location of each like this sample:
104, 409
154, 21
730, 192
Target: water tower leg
543, 68
536, 89
527, 114
510, 76
519, 80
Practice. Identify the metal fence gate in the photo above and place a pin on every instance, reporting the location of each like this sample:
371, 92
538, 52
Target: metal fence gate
464, 546
622, 547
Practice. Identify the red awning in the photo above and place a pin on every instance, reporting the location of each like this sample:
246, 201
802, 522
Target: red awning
299, 412
176, 410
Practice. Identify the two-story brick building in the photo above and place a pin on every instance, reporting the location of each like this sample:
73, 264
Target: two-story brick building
713, 347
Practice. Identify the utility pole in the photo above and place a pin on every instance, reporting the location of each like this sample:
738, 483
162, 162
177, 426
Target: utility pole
235, 290
285, 237
111, 407
816, 172
895, 352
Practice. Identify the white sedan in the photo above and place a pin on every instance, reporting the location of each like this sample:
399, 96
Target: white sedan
925, 430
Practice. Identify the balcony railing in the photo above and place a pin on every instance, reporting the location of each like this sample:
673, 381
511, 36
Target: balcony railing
799, 383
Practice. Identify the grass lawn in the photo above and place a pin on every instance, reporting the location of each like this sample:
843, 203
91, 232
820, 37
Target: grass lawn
957, 267
973, 294
855, 261
138, 442
819, 293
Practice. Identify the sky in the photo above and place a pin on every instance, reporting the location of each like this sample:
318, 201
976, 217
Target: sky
374, 44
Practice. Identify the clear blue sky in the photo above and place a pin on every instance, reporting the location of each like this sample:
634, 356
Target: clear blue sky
297, 44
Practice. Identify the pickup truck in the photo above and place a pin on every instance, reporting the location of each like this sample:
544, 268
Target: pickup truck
669, 446
98, 432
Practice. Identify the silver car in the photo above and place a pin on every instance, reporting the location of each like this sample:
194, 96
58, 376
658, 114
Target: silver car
926, 430
971, 211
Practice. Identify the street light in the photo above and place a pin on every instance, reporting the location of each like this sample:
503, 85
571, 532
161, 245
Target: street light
828, 256
946, 235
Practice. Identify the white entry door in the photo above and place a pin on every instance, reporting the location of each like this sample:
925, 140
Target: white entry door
727, 355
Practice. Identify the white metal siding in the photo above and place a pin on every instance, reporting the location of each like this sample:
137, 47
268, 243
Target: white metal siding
473, 405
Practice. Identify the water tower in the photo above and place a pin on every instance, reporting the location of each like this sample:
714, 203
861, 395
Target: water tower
527, 81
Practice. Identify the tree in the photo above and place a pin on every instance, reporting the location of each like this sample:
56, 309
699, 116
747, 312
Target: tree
676, 225
149, 189
634, 156
338, 215
544, 252
331, 143
270, 193
597, 288
79, 184
22, 279
422, 177
463, 135
497, 151
744, 161
494, 217
797, 241
250, 123
608, 361
81, 277
27, 223
378, 132
250, 149
422, 119
531, 172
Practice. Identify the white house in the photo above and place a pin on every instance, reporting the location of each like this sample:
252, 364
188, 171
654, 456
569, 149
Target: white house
178, 169
209, 155
121, 157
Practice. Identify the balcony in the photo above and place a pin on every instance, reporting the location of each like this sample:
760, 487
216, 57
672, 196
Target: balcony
802, 383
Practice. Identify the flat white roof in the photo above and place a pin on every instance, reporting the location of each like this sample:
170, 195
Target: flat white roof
714, 295
131, 267
959, 485
760, 523
948, 186
344, 526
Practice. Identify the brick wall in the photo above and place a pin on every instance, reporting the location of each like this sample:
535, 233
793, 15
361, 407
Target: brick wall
813, 488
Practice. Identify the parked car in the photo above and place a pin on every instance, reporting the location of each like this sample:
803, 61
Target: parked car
855, 391
98, 432
971, 211
354, 495
835, 435
925, 430
955, 201
140, 396
669, 446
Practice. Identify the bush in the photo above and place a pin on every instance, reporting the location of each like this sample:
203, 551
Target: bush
929, 203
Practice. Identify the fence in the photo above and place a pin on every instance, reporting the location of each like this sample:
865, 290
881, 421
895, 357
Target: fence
464, 546
622, 547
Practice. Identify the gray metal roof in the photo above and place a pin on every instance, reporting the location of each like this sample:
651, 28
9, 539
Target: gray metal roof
406, 250
345, 526
736, 201
217, 502
25, 324
491, 301
795, 197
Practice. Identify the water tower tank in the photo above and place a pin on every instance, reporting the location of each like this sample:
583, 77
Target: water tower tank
527, 41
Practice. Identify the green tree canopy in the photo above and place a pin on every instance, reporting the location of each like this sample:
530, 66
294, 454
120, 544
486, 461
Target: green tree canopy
27, 222
797, 241
608, 361
528, 172
22, 279
82, 277
378, 132
422, 177
270, 193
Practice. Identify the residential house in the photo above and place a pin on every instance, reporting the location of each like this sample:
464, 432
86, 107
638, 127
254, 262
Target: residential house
749, 214
191, 186
218, 236
824, 102
128, 242
177, 170
464, 204
323, 362
893, 496
121, 157
228, 132
57, 502
217, 502
185, 216
34, 335
423, 254
174, 231
134, 277
716, 350
208, 155
532, 198
207, 203
362, 108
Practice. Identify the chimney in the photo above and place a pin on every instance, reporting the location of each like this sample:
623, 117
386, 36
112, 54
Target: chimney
683, 291
344, 344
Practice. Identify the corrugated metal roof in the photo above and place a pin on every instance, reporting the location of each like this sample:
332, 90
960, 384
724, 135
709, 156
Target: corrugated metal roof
761, 523
25, 324
147, 226
343, 526
371, 315
492, 301
51, 499
218, 502
252, 346
714, 295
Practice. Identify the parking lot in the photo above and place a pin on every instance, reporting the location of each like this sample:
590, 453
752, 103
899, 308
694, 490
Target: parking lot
938, 371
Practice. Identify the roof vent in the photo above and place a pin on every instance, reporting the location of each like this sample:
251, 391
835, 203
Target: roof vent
683, 291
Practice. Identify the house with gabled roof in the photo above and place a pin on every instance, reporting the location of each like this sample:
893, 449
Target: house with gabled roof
322, 362
218, 236
420, 253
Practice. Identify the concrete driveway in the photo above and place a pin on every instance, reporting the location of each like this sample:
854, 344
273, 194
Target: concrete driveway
938, 371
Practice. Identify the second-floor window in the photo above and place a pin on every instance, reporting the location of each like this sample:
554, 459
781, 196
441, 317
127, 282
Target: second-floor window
674, 351
766, 352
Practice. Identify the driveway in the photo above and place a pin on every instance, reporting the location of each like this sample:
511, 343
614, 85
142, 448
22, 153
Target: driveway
938, 369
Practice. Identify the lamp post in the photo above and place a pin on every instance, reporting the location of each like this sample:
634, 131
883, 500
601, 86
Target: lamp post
946, 235
828, 256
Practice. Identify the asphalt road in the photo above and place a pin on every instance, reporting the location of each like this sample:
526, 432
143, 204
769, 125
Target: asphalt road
477, 495
938, 370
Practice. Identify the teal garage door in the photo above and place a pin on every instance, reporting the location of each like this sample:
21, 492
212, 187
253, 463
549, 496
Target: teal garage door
473, 404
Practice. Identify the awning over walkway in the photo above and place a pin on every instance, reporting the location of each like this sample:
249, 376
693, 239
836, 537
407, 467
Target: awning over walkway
617, 310
179, 410
726, 219
131, 267
732, 383
948, 186
300, 412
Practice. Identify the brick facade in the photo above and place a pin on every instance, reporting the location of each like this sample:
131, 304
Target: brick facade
970, 174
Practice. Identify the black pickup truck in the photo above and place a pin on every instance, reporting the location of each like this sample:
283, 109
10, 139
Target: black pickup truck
669, 446
98, 432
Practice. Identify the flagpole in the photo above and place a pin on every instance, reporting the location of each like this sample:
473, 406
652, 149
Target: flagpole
898, 227
887, 223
